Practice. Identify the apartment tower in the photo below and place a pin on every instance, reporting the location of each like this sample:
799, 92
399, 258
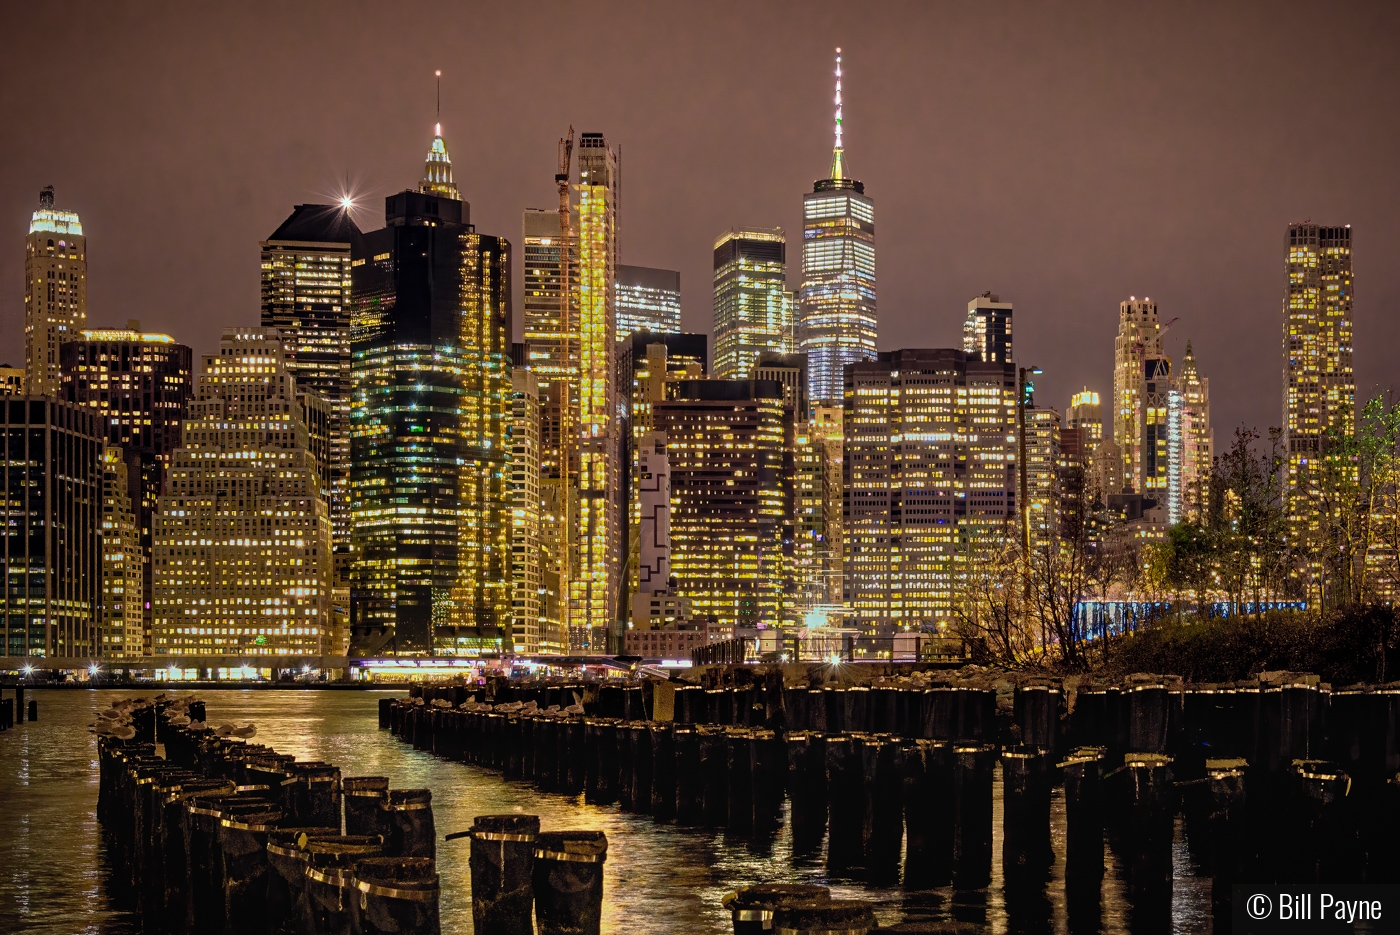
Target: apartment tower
1319, 385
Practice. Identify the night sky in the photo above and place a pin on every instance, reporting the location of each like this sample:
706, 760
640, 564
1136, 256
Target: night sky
1065, 156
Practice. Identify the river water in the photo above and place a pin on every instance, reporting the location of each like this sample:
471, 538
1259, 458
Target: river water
54, 868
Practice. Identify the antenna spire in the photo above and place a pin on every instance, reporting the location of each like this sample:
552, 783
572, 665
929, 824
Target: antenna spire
838, 157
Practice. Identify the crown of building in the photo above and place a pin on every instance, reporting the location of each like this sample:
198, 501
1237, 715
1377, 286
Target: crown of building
54, 220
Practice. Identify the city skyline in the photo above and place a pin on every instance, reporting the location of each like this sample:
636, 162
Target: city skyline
1125, 188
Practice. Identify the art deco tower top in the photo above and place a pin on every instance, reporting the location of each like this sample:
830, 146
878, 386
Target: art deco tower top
437, 170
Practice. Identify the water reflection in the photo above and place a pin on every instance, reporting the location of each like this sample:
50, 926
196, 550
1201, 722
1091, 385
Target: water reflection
659, 878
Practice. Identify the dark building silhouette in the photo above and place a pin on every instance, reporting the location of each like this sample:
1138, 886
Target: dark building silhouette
139, 384
431, 371
51, 550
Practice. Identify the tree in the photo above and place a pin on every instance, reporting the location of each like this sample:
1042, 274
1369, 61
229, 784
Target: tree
1245, 522
1350, 505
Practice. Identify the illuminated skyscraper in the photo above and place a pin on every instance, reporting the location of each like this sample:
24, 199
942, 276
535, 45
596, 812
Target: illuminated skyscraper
753, 309
51, 555
1191, 442
431, 403
551, 354
650, 365
987, 329
528, 622
647, 299
437, 169
1139, 340
55, 291
836, 316
551, 350
242, 549
930, 481
1043, 455
139, 384
1155, 442
1082, 431
122, 616
819, 507
1319, 385
306, 297
801, 467
1086, 413
593, 596
654, 483
725, 452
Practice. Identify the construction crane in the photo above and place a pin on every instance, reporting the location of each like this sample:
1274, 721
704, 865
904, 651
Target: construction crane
1139, 348
566, 430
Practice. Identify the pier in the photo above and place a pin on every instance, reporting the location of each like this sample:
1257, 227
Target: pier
905, 764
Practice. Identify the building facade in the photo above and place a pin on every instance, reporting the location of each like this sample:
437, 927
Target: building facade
1192, 440
594, 583
1082, 431
725, 451
529, 623
1139, 340
430, 525
11, 381
930, 482
647, 299
306, 297
1319, 383
753, 310
649, 366
242, 550
121, 618
1043, 460
1155, 443
55, 291
52, 548
987, 328
551, 327
836, 311
139, 384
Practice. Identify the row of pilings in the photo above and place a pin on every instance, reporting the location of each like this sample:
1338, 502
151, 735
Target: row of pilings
12, 710
221, 835
1277, 779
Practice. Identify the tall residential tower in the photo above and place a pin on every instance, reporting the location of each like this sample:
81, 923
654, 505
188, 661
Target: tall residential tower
55, 291
594, 594
1139, 341
1319, 385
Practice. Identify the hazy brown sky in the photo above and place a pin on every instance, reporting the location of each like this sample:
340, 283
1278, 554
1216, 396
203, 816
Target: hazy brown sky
1065, 156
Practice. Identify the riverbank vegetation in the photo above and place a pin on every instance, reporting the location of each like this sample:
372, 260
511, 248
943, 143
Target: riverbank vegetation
1205, 598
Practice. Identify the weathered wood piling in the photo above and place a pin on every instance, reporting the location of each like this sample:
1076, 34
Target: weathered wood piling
906, 766
225, 835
